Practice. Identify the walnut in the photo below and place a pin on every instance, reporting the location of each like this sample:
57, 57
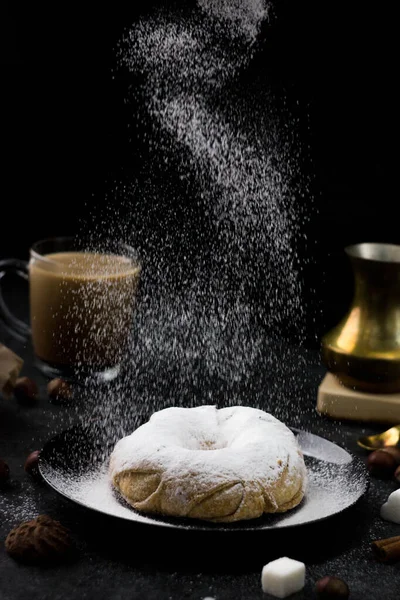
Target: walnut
41, 541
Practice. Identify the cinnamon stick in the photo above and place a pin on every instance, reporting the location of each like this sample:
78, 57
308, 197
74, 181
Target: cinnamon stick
387, 550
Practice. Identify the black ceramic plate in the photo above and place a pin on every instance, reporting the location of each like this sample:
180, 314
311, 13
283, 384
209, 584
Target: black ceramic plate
75, 464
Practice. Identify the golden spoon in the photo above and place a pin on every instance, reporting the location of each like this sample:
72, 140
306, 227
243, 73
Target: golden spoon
391, 437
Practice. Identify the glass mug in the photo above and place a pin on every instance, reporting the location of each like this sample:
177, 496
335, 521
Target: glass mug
82, 299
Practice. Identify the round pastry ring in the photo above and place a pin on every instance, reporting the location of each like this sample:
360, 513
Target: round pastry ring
333, 471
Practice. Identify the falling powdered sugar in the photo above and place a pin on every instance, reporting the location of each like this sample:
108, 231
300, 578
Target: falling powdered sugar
244, 15
213, 203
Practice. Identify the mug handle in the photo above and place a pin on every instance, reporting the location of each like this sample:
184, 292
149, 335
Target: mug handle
17, 328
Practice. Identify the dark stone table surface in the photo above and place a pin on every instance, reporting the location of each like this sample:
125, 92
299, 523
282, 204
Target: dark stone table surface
129, 561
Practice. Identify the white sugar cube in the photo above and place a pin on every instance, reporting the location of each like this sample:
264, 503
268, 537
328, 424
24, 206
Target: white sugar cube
390, 511
283, 576
394, 497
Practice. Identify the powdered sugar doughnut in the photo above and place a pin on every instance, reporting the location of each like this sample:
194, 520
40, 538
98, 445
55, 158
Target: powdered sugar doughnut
220, 465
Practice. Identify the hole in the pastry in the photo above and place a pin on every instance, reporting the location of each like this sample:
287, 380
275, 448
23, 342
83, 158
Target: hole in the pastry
210, 445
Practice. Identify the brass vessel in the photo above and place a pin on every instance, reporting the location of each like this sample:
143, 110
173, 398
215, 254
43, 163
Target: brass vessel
363, 350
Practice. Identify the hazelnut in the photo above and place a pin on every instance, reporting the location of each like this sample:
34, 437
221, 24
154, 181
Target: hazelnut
25, 389
32, 465
331, 587
394, 451
40, 541
4, 472
397, 474
59, 390
381, 464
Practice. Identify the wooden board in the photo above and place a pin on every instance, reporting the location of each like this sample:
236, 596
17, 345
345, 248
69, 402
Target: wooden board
339, 402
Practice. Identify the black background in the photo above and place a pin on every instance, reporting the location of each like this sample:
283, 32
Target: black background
65, 137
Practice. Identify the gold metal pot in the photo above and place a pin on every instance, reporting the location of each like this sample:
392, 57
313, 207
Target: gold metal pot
363, 350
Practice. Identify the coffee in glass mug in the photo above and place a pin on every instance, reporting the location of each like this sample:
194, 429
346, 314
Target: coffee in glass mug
81, 305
